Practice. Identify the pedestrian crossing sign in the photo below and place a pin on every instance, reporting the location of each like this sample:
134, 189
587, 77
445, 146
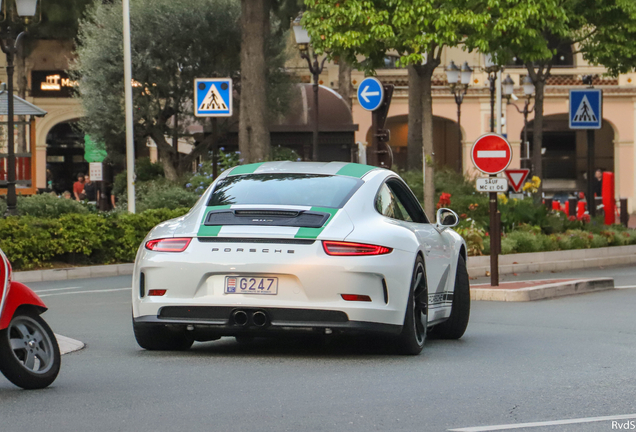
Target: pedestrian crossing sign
213, 97
586, 109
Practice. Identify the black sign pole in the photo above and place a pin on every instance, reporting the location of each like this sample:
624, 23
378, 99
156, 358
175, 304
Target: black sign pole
495, 239
375, 156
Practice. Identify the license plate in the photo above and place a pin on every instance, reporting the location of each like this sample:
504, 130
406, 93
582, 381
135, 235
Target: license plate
251, 285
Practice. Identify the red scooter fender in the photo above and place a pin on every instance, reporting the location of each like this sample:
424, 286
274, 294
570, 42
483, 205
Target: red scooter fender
18, 295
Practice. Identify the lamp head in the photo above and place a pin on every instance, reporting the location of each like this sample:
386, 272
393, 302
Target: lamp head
466, 73
452, 73
508, 86
26, 9
300, 34
528, 86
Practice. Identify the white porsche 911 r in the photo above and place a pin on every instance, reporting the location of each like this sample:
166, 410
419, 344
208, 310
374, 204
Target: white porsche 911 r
301, 246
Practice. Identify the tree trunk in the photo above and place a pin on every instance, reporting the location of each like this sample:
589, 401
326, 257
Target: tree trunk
415, 143
537, 135
427, 138
254, 139
166, 153
344, 81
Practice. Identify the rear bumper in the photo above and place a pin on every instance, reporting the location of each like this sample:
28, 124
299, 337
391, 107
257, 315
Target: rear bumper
308, 279
219, 319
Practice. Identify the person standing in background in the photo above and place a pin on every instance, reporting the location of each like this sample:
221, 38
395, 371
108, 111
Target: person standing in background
109, 195
78, 188
90, 190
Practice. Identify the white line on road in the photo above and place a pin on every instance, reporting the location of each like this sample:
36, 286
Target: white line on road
86, 292
56, 289
491, 153
625, 287
544, 423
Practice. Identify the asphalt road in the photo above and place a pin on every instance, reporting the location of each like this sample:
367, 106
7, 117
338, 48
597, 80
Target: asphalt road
567, 358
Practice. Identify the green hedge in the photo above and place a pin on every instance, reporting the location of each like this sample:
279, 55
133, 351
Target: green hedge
107, 238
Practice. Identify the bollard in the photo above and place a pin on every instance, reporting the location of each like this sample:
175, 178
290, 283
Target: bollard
624, 212
572, 207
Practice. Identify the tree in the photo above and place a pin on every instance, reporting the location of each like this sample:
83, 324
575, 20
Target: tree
172, 44
418, 30
254, 139
603, 30
257, 50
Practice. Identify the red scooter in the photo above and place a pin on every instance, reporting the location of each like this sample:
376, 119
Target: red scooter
29, 353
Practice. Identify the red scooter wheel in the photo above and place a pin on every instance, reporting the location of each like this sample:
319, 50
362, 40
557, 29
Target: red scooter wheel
29, 353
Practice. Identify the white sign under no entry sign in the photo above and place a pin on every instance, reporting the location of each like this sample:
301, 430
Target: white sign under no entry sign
491, 184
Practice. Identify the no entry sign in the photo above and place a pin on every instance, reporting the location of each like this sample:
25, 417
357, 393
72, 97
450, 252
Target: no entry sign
491, 153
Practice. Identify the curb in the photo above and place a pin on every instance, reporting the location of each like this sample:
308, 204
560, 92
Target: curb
555, 260
540, 292
73, 273
68, 345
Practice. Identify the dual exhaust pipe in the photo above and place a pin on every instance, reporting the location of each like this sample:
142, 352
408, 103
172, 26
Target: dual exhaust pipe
242, 318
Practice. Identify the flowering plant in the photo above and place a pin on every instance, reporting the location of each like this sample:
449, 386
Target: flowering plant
444, 200
533, 185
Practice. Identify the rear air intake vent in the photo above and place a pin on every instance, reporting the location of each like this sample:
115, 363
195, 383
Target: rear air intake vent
301, 219
142, 284
386, 292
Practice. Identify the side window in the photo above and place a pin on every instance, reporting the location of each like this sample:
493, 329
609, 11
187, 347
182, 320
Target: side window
389, 205
407, 200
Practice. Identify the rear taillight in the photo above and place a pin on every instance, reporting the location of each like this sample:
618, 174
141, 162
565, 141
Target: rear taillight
353, 249
168, 244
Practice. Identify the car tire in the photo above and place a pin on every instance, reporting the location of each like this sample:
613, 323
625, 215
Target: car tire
455, 326
157, 337
36, 365
413, 335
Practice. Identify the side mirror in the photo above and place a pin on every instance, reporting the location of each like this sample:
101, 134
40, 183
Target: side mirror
446, 218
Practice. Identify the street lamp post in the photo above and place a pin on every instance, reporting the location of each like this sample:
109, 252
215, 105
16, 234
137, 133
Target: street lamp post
528, 91
17, 13
315, 68
492, 69
459, 80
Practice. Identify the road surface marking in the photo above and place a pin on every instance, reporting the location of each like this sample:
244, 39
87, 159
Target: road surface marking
491, 153
625, 287
56, 289
86, 292
544, 423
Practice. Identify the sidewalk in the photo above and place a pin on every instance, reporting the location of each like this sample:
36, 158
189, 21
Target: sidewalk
538, 289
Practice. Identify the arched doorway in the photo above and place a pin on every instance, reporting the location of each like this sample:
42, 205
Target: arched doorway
445, 141
64, 156
565, 153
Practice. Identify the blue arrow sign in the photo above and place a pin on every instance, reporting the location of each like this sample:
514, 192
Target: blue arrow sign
586, 109
370, 94
213, 97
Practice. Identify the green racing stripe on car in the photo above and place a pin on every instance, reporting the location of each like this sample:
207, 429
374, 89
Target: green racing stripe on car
312, 233
245, 169
354, 170
211, 231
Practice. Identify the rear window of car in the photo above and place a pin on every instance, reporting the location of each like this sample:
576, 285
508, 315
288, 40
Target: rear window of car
285, 189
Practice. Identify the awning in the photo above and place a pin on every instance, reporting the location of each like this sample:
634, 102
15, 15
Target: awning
20, 106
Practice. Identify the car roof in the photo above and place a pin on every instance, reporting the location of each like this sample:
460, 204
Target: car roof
287, 167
